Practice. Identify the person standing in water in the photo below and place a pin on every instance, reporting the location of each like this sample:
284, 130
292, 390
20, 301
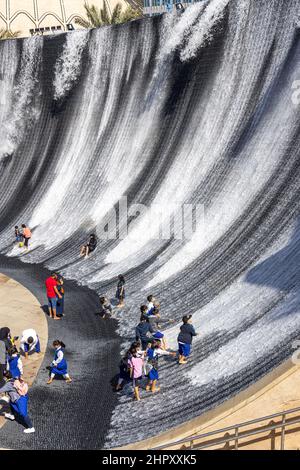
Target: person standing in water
59, 365
60, 302
185, 338
120, 294
26, 236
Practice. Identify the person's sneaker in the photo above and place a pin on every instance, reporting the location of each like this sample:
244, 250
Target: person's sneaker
4, 398
68, 381
29, 430
9, 416
49, 381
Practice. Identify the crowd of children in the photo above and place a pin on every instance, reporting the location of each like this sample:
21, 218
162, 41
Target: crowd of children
141, 360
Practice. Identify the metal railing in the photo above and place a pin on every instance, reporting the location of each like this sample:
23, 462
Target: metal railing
236, 433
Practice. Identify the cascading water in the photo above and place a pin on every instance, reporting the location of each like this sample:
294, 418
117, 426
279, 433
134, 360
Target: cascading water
194, 109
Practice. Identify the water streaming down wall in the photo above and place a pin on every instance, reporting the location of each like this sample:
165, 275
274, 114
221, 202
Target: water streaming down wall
196, 108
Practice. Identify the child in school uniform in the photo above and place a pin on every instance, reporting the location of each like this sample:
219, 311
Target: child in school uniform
135, 364
17, 391
152, 355
18, 235
185, 338
30, 342
14, 363
59, 365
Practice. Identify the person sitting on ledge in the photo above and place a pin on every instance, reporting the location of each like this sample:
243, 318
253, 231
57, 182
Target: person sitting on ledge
91, 245
105, 308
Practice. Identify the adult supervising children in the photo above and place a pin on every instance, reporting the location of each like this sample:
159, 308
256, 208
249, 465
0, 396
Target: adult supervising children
52, 295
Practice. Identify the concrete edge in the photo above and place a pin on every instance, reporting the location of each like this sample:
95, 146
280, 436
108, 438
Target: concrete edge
212, 417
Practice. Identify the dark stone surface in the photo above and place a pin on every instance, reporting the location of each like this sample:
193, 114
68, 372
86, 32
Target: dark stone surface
74, 416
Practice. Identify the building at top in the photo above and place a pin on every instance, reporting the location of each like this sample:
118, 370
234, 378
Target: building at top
26, 15
157, 7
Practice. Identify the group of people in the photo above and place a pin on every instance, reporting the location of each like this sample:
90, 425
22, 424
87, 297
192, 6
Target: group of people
12, 382
140, 361
22, 236
142, 358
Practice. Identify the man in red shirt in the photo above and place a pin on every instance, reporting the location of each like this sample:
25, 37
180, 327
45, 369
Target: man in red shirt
52, 294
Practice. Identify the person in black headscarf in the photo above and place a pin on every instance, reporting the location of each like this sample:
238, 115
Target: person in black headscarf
5, 344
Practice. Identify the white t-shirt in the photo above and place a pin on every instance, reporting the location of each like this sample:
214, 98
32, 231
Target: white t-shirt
27, 334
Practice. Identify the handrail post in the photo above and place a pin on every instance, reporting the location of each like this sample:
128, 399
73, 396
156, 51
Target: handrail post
282, 432
236, 442
192, 444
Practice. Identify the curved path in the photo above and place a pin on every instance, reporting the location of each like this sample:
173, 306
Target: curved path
20, 310
75, 416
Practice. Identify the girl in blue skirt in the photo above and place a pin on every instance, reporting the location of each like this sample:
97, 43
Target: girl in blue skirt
152, 355
59, 366
14, 363
17, 391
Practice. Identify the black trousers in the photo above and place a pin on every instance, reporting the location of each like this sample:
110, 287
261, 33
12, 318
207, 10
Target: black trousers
2, 369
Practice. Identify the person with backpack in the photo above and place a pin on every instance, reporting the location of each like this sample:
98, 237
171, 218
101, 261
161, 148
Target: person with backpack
185, 338
14, 363
26, 236
17, 391
124, 375
151, 366
59, 365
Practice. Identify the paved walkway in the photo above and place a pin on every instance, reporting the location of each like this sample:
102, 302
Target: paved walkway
74, 416
20, 310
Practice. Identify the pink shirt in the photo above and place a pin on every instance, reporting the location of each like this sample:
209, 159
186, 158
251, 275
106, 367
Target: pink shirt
136, 363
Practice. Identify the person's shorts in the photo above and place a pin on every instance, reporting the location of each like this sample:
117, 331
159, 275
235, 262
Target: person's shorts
153, 374
52, 302
137, 382
184, 349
